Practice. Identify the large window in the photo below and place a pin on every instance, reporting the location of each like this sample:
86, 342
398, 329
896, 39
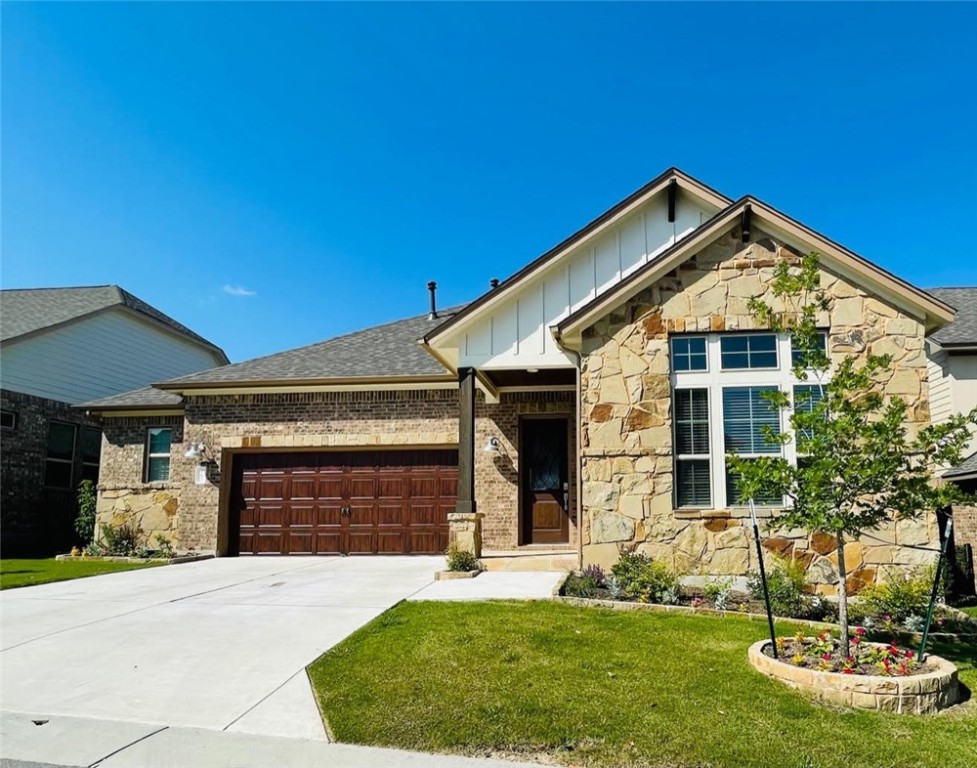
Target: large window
59, 463
158, 441
720, 384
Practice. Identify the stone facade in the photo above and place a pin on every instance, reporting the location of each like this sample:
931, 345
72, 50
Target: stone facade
188, 514
627, 430
36, 519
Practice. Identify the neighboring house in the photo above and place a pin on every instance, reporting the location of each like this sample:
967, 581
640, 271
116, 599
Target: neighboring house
952, 352
62, 346
584, 404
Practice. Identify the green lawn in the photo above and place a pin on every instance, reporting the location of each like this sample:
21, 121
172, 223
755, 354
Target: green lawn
607, 688
26, 573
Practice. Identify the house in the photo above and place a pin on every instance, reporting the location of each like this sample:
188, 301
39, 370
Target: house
584, 404
62, 346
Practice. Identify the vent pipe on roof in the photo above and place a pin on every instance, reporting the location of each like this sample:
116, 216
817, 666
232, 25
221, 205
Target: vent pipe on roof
432, 288
494, 283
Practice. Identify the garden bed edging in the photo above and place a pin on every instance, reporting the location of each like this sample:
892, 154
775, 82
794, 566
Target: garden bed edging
629, 605
911, 694
178, 560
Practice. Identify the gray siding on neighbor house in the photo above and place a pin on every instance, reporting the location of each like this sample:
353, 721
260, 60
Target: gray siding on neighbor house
100, 355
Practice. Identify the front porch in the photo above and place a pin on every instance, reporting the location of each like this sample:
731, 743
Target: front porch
517, 468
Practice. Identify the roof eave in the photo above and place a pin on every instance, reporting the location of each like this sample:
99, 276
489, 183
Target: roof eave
180, 387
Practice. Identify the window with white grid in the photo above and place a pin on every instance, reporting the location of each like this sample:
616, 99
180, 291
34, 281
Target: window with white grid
719, 383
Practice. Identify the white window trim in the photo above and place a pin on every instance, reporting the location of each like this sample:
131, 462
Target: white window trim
714, 379
150, 456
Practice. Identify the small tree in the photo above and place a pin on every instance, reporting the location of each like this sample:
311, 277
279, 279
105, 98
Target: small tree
860, 466
85, 520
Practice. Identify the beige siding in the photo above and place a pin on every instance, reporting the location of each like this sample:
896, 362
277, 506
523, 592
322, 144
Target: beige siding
941, 401
98, 356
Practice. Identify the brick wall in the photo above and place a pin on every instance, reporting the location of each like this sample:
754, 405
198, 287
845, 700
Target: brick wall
304, 421
35, 519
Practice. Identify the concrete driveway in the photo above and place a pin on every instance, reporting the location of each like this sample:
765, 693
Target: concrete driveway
219, 644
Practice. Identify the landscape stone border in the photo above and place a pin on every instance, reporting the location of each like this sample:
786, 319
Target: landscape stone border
628, 605
914, 694
452, 575
178, 560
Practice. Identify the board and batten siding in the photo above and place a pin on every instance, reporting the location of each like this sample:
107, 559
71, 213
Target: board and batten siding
97, 356
952, 385
515, 334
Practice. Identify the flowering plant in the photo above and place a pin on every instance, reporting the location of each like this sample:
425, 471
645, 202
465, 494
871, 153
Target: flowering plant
824, 654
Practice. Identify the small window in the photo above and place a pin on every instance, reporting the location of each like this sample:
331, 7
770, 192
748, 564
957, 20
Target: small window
59, 464
91, 449
693, 487
796, 351
158, 441
748, 351
689, 353
8, 419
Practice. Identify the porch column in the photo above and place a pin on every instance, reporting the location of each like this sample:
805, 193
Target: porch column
465, 524
466, 440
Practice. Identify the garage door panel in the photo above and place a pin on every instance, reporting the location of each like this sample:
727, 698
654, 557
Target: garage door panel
362, 488
329, 487
301, 516
268, 543
269, 516
270, 488
303, 487
300, 543
329, 516
391, 487
423, 487
357, 502
421, 542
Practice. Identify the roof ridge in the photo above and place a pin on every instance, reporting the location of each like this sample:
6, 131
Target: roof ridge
60, 288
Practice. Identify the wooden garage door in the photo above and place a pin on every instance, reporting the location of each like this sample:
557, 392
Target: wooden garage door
360, 503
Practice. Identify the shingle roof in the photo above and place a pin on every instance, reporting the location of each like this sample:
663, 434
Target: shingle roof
965, 468
390, 350
26, 310
963, 330
146, 397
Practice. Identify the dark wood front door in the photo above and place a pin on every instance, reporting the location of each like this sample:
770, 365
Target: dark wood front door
545, 490
358, 502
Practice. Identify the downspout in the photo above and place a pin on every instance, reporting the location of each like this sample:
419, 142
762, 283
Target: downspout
577, 365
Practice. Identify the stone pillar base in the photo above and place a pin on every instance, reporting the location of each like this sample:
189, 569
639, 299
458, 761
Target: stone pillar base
465, 531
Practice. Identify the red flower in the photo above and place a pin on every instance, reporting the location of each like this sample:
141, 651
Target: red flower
860, 631
847, 671
826, 656
909, 654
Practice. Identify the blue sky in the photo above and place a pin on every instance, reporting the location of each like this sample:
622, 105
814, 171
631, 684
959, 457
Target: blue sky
328, 160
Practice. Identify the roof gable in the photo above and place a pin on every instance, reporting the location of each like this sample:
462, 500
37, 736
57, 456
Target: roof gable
930, 309
673, 177
29, 311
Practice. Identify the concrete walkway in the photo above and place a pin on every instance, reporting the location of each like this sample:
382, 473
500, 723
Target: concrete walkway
493, 585
75, 741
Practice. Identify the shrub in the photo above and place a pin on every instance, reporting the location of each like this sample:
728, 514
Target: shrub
586, 583
641, 578
901, 598
123, 540
85, 520
785, 584
461, 559
718, 591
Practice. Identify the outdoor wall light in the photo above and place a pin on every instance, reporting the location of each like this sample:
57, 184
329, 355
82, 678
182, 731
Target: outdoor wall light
195, 451
494, 446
